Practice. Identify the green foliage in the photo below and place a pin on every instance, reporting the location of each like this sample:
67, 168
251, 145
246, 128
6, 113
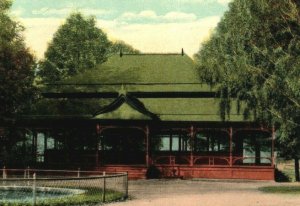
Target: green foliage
281, 189
153, 172
76, 52
281, 176
77, 45
16, 78
254, 55
16, 66
120, 46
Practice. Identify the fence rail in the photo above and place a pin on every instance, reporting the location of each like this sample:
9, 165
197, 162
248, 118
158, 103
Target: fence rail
54, 187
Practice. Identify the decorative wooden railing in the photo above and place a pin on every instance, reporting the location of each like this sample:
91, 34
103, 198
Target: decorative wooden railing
210, 160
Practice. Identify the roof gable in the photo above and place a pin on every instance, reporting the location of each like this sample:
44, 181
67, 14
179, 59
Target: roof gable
125, 107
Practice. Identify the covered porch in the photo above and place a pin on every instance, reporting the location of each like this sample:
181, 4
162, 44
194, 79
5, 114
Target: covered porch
187, 151
195, 151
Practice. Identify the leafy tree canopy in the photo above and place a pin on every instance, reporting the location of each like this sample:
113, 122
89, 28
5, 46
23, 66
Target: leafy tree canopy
16, 66
16, 80
121, 46
77, 45
254, 54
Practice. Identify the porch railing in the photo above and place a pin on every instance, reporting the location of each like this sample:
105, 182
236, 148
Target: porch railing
197, 160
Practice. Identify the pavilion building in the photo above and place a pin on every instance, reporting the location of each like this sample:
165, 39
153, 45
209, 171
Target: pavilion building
141, 111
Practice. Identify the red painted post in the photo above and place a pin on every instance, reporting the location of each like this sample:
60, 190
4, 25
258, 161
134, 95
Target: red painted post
98, 128
273, 146
98, 131
192, 146
230, 146
147, 145
97, 155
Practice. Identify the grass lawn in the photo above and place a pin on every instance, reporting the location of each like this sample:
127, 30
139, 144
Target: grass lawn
281, 189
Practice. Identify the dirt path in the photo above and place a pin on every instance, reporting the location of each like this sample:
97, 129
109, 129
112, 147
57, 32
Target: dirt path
203, 193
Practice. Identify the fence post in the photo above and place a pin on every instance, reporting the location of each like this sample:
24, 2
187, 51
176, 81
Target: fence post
28, 173
104, 187
4, 174
78, 172
34, 189
126, 185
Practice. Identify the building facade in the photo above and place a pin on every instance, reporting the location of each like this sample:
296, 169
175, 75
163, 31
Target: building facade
149, 115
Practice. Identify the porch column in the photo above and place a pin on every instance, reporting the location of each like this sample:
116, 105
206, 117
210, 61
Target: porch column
230, 146
273, 146
46, 135
34, 145
192, 133
98, 131
147, 145
97, 154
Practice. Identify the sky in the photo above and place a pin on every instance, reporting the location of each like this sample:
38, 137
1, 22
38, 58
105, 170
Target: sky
156, 26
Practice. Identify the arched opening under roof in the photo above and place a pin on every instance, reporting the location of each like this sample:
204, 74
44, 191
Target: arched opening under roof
121, 146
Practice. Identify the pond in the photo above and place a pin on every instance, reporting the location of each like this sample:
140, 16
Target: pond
25, 194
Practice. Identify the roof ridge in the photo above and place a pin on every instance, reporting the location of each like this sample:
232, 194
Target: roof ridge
168, 53
141, 54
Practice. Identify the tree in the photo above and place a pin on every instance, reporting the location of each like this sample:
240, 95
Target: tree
16, 66
77, 45
120, 46
254, 55
16, 77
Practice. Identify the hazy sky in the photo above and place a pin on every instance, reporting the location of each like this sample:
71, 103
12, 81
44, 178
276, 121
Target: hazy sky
147, 25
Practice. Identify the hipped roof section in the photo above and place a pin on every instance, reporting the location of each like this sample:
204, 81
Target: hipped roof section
137, 73
128, 74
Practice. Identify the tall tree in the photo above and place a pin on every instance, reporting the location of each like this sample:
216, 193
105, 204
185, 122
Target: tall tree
254, 54
16, 78
16, 65
77, 45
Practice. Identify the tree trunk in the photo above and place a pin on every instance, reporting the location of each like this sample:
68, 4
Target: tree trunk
297, 169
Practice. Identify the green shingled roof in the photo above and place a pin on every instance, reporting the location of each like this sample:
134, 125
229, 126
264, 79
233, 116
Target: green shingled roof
139, 72
150, 73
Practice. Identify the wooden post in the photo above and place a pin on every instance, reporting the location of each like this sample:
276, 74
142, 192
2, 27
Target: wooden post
126, 185
230, 146
104, 187
46, 135
34, 189
98, 132
273, 146
4, 174
97, 154
147, 145
192, 146
78, 172
34, 145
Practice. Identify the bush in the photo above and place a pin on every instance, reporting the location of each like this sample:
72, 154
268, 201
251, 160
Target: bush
281, 176
153, 172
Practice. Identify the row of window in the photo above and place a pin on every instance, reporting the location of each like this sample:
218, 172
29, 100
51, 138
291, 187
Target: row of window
178, 142
182, 142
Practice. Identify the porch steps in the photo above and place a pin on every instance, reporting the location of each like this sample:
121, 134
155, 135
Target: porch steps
134, 172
